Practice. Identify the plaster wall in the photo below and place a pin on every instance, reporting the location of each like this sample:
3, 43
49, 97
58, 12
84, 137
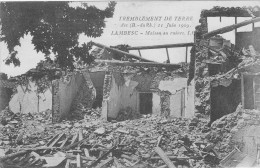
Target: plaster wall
113, 102
181, 96
156, 104
27, 101
68, 90
190, 100
175, 104
122, 95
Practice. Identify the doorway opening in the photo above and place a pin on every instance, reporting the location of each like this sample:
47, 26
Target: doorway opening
146, 103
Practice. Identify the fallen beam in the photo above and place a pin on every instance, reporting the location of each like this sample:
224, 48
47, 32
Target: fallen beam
121, 52
164, 157
93, 164
13, 155
161, 46
147, 64
230, 28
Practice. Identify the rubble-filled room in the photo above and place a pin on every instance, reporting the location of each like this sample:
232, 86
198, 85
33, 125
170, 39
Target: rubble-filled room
117, 109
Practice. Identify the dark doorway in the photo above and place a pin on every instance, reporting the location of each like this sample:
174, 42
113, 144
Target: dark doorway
146, 103
224, 100
97, 79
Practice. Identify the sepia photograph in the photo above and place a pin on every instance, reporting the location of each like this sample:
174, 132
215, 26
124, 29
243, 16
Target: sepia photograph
129, 84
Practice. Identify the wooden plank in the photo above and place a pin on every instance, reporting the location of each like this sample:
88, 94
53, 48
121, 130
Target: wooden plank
186, 55
74, 144
242, 91
80, 135
86, 152
25, 160
168, 57
78, 155
148, 64
121, 52
78, 161
230, 28
68, 163
161, 46
75, 137
235, 30
164, 157
255, 107
139, 53
105, 163
65, 141
93, 164
13, 155
56, 140
52, 139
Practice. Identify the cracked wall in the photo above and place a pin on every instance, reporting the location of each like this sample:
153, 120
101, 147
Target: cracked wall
71, 90
122, 95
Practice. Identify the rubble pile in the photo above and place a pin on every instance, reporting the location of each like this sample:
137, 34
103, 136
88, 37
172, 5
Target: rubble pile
145, 142
221, 132
127, 113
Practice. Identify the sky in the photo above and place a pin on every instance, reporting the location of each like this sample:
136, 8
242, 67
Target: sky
169, 11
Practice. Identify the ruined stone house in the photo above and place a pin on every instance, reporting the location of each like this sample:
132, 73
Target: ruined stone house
121, 88
216, 55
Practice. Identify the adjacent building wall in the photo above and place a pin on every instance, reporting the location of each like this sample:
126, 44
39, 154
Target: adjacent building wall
26, 99
122, 95
181, 96
173, 97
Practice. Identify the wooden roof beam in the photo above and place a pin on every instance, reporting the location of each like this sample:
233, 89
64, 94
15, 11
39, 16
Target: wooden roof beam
230, 28
121, 52
148, 64
161, 46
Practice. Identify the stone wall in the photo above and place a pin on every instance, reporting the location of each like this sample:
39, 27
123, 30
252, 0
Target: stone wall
106, 92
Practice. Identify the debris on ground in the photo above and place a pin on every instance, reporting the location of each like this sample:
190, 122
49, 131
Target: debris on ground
150, 141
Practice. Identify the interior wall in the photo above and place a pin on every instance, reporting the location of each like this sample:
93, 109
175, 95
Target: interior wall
67, 92
25, 100
113, 102
181, 103
122, 95
156, 104
175, 105
190, 100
